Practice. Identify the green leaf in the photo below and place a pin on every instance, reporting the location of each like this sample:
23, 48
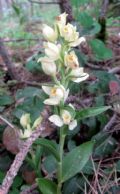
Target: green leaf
5, 163
33, 105
28, 92
100, 101
16, 9
33, 66
46, 186
105, 144
100, 50
50, 164
2, 175
17, 182
71, 186
5, 100
38, 155
76, 160
78, 3
91, 112
14, 191
71, 144
85, 19
103, 81
51, 146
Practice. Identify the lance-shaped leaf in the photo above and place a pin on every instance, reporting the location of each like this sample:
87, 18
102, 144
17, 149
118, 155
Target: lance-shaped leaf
91, 112
46, 186
76, 160
51, 146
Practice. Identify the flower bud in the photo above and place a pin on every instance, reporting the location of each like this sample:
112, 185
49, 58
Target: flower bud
37, 122
61, 19
49, 33
26, 134
48, 66
52, 50
25, 120
71, 60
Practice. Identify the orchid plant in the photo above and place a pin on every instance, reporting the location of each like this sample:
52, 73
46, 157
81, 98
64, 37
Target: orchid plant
61, 64
60, 59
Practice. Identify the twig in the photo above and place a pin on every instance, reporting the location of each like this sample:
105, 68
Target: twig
96, 174
65, 6
110, 123
7, 122
114, 70
102, 20
104, 8
95, 192
29, 83
24, 149
48, 2
107, 181
76, 100
5, 56
93, 66
21, 40
33, 83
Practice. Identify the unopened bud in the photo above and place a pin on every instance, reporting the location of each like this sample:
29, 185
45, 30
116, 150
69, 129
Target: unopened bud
25, 120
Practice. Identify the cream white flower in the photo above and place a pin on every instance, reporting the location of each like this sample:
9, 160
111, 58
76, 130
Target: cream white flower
48, 66
52, 50
78, 75
71, 60
61, 19
69, 33
64, 119
49, 33
77, 42
56, 94
26, 134
25, 120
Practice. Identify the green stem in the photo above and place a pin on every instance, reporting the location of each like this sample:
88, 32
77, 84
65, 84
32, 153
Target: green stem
56, 80
62, 140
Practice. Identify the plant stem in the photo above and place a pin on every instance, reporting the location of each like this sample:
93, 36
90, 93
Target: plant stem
62, 140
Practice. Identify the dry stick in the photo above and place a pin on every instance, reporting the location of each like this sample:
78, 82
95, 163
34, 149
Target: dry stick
7, 122
96, 174
104, 8
48, 2
65, 6
12, 172
107, 181
85, 188
6, 58
102, 20
21, 40
110, 123
92, 188
114, 70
